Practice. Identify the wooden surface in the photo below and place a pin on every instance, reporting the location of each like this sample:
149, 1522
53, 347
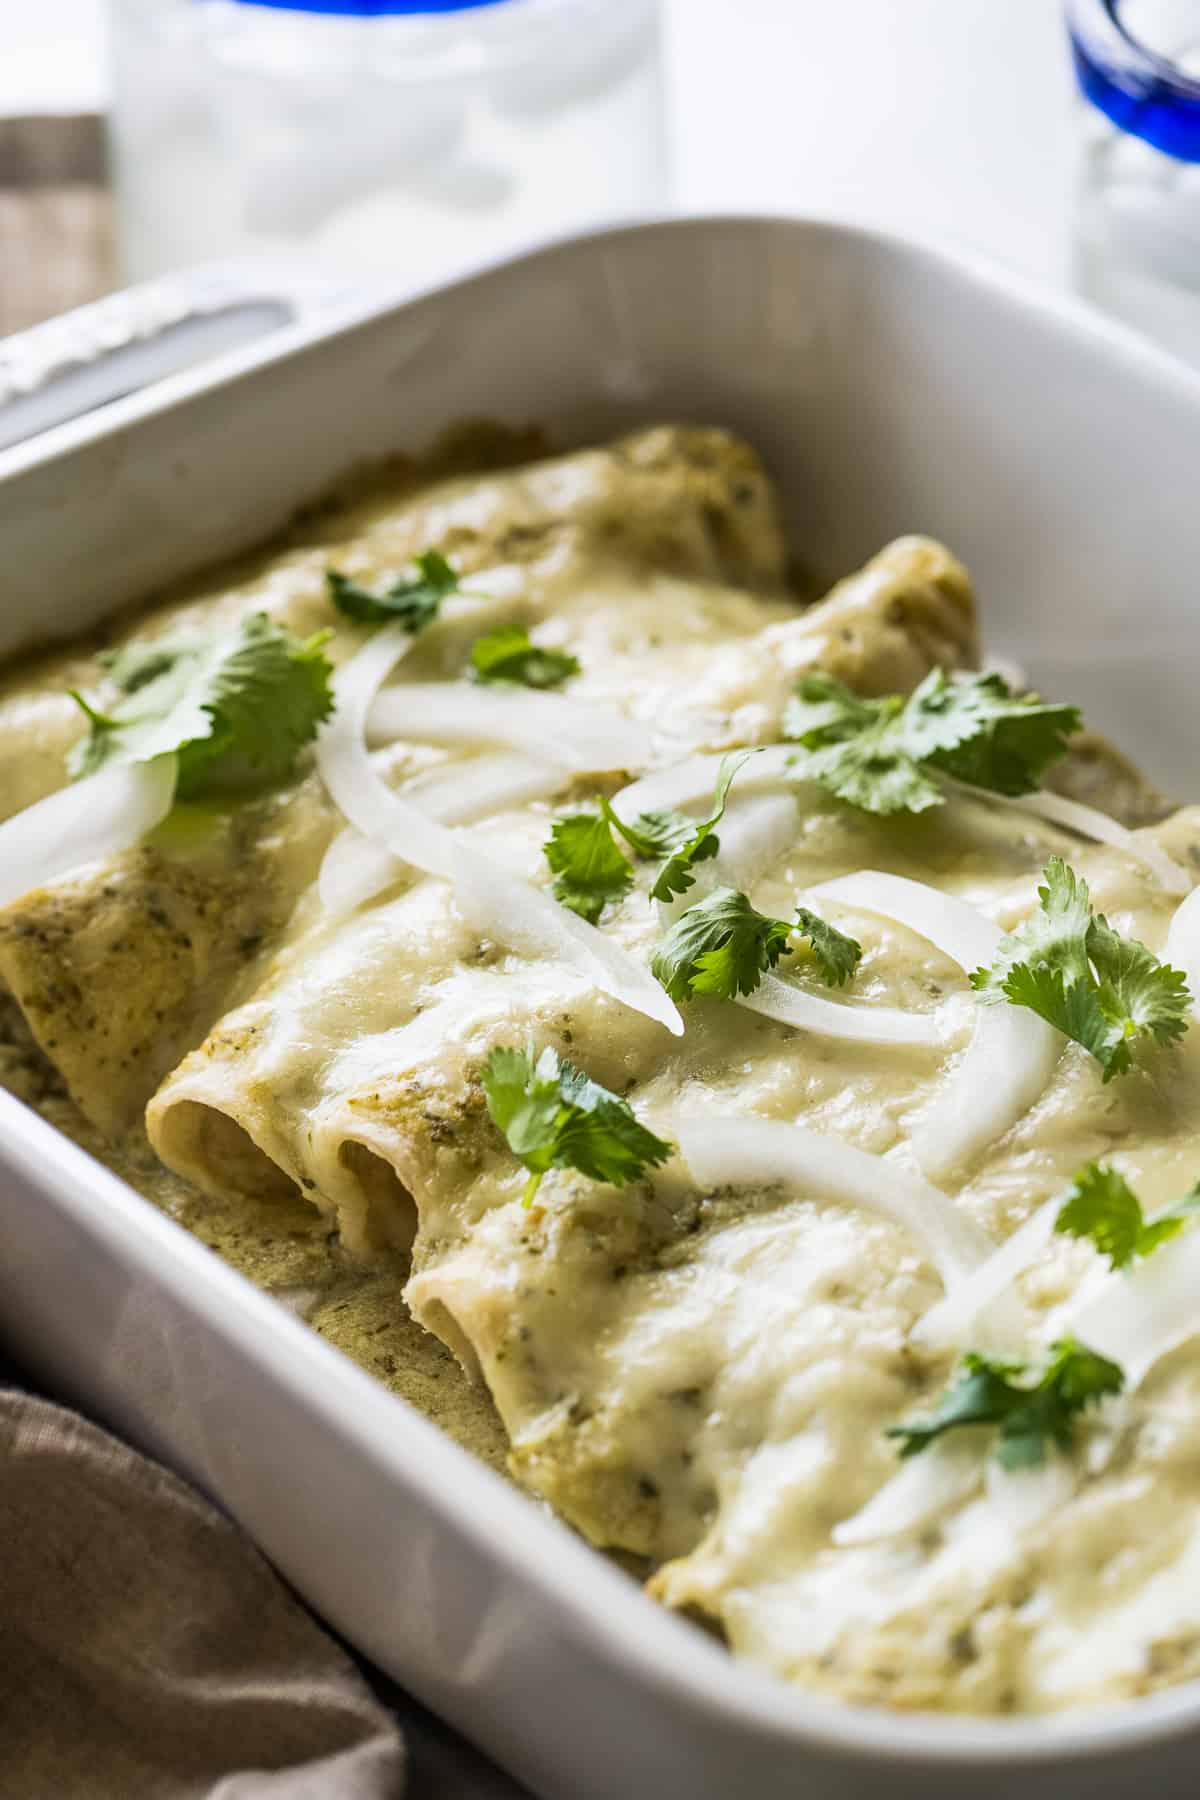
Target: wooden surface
56, 239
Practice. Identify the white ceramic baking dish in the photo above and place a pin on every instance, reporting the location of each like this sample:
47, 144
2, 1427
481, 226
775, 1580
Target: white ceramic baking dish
891, 389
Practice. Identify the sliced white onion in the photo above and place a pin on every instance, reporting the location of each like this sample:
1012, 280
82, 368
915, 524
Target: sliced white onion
502, 581
921, 1490
1086, 822
354, 784
458, 793
1003, 1071
586, 739
959, 930
523, 917
509, 910
857, 1024
85, 822
952, 1321
756, 831
739, 1152
355, 868
1012, 1053
687, 783
1018, 1499
1183, 944
1137, 1317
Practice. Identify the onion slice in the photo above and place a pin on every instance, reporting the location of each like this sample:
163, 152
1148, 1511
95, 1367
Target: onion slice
510, 911
883, 1025
1015, 1500
922, 1488
1086, 822
1183, 944
84, 822
738, 1152
1012, 1053
354, 784
517, 914
756, 831
959, 930
692, 781
951, 1322
1136, 1317
355, 868
587, 739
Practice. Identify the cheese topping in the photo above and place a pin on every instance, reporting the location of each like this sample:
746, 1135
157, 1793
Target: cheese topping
698, 1369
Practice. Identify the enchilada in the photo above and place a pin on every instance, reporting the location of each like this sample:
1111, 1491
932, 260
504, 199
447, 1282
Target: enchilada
697, 1367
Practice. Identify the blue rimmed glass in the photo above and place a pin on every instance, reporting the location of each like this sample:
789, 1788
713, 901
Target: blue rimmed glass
376, 9
402, 137
1142, 88
1136, 242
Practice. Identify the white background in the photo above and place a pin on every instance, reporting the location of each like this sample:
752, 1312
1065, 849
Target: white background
950, 117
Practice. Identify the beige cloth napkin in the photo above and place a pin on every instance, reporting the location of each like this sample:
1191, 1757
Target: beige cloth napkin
148, 1652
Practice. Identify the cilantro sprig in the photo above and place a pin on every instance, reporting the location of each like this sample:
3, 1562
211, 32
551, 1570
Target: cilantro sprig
720, 946
593, 870
1102, 1208
676, 875
238, 702
884, 755
509, 655
837, 956
412, 601
723, 946
1068, 965
1031, 1415
553, 1116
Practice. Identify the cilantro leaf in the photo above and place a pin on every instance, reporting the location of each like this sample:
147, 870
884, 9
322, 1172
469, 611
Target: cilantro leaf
1030, 1416
877, 754
855, 748
553, 1116
981, 732
721, 946
676, 835
508, 655
411, 601
241, 701
591, 869
837, 955
652, 835
676, 875
1103, 1207
1069, 966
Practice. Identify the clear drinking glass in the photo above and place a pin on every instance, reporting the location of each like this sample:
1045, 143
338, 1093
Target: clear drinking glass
398, 136
1137, 221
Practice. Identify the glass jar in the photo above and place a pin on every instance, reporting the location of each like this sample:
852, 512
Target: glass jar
397, 136
1137, 218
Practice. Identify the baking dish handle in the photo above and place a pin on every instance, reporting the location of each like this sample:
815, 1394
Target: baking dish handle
72, 364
